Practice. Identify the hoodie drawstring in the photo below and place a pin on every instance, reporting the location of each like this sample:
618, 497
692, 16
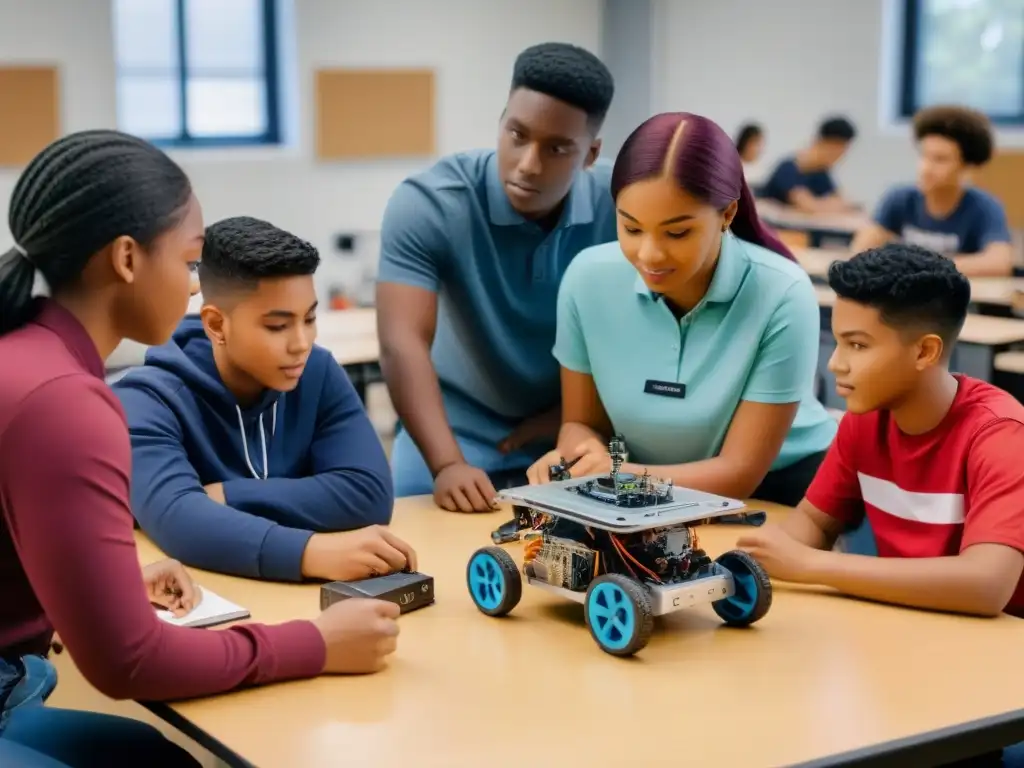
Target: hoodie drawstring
263, 440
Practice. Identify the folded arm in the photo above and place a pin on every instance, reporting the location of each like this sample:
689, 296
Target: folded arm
65, 461
174, 510
349, 485
995, 260
979, 580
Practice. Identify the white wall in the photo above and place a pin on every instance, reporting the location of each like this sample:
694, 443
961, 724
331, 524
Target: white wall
785, 64
471, 44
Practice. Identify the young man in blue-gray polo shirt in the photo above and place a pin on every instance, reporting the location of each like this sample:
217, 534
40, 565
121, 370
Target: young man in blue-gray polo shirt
472, 253
943, 212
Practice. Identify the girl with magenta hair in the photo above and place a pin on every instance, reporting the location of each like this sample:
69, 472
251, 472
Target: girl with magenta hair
695, 335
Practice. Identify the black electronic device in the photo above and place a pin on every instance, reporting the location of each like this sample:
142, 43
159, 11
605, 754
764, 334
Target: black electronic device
408, 590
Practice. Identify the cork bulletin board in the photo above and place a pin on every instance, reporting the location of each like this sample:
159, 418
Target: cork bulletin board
374, 113
30, 105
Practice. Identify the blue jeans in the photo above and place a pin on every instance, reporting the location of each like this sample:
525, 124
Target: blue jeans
88, 740
24, 682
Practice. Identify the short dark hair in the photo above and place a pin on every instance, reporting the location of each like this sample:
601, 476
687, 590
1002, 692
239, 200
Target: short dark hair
567, 73
967, 128
912, 288
241, 251
747, 133
837, 129
76, 196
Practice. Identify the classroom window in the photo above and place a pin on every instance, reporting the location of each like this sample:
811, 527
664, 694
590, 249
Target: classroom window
967, 52
197, 72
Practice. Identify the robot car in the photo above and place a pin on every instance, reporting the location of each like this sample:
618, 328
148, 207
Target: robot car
623, 545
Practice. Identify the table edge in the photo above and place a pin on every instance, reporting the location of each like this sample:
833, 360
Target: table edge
934, 747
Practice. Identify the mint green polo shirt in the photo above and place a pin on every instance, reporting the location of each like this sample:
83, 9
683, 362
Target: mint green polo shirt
753, 337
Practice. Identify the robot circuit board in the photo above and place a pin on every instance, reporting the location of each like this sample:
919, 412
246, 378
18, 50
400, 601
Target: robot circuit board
592, 501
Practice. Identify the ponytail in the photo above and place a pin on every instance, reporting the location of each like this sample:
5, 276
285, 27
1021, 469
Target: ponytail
747, 225
17, 276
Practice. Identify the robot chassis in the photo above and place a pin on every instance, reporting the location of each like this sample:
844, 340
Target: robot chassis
625, 547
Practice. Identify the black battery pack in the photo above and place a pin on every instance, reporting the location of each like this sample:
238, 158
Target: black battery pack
408, 590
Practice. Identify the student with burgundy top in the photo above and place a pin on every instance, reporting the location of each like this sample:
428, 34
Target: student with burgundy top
109, 226
932, 459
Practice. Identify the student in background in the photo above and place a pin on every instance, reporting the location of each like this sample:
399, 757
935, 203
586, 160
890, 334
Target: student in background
251, 452
695, 335
750, 145
472, 253
942, 212
805, 181
932, 459
109, 225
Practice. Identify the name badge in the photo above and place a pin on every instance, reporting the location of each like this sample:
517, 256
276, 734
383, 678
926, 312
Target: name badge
665, 388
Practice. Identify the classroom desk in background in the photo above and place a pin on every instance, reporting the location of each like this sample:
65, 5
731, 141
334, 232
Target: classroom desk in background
821, 680
1006, 293
818, 227
982, 340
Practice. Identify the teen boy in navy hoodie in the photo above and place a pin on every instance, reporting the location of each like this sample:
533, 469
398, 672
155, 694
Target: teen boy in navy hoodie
251, 452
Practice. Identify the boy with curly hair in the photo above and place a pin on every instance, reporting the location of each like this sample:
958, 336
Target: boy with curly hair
942, 212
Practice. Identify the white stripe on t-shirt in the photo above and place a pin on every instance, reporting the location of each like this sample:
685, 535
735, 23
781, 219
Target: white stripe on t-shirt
930, 508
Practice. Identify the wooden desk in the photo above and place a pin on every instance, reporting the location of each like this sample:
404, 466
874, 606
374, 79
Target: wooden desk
818, 676
351, 336
818, 226
982, 339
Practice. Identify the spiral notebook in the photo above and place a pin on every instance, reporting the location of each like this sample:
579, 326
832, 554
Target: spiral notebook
211, 610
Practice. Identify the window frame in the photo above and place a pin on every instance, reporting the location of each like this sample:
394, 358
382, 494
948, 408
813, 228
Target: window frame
907, 104
273, 133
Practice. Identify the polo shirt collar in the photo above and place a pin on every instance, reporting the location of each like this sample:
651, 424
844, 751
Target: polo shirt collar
54, 317
732, 265
579, 208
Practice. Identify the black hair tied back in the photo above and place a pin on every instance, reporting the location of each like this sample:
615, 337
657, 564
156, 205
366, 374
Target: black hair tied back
77, 196
17, 276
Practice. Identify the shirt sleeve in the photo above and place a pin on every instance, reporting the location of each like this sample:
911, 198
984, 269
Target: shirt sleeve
784, 180
835, 489
995, 487
994, 228
413, 246
890, 212
65, 462
787, 357
570, 343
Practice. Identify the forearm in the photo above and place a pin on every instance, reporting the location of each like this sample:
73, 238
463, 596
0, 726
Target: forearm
718, 475
205, 534
950, 584
983, 264
416, 395
572, 434
339, 500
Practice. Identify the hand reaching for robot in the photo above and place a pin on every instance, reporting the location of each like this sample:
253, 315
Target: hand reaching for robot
782, 556
589, 458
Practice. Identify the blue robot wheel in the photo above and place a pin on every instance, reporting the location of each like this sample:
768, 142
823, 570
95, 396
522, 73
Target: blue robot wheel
618, 613
494, 581
753, 590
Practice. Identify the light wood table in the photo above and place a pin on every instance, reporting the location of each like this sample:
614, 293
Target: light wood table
820, 675
351, 336
818, 226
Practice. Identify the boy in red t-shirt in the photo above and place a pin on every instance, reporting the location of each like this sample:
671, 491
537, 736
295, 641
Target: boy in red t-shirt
932, 459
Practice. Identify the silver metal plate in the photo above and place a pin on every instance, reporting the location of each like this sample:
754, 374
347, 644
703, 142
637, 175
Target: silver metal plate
556, 498
665, 598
